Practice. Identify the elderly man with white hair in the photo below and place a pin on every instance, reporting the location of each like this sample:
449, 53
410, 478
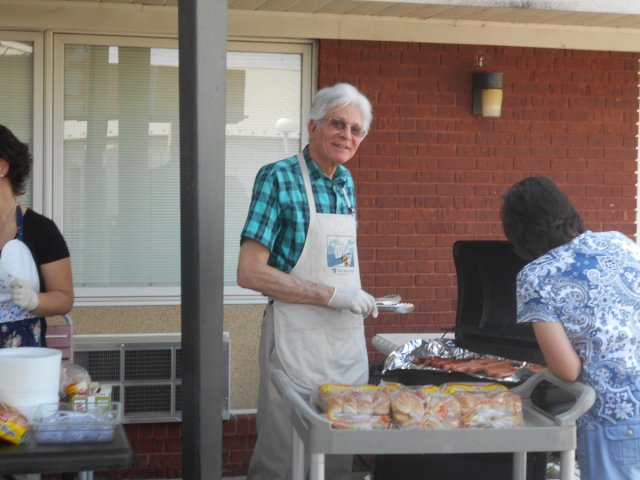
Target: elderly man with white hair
298, 247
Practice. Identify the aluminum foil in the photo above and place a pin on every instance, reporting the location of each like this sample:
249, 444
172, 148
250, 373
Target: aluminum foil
402, 357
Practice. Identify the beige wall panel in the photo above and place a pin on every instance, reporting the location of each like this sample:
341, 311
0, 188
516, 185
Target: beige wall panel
126, 319
243, 322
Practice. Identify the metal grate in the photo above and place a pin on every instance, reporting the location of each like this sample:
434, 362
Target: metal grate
151, 364
144, 377
103, 365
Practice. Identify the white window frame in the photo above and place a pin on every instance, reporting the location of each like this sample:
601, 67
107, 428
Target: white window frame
54, 163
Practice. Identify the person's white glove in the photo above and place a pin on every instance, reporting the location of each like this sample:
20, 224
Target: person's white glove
354, 299
23, 295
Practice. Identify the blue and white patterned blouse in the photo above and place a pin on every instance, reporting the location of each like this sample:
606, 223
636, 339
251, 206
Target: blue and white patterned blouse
592, 287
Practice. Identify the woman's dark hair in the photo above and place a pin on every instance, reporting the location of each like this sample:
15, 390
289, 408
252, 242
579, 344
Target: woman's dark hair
537, 217
17, 155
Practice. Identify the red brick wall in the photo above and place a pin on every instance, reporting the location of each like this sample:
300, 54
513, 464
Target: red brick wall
430, 173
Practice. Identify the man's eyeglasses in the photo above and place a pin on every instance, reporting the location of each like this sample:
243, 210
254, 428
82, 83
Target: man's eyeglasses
339, 125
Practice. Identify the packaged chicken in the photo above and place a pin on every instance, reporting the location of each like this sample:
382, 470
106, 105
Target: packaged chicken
490, 410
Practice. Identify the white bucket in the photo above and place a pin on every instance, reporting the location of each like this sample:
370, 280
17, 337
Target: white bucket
29, 376
27, 405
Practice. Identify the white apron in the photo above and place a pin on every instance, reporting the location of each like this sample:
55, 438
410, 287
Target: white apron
315, 344
16, 261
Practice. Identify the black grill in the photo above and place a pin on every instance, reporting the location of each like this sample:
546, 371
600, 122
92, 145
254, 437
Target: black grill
485, 323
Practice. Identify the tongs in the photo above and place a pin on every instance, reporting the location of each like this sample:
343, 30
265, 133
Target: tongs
393, 303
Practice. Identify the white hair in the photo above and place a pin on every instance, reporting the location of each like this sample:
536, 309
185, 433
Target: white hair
338, 96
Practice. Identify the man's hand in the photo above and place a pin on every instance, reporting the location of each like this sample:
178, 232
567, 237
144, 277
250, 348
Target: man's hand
23, 295
355, 300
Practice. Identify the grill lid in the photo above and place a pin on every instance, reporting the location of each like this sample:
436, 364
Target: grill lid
486, 308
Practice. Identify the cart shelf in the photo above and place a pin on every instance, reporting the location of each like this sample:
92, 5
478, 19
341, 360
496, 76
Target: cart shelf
544, 429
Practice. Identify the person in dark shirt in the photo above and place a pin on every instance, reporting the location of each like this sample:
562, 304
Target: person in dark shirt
35, 265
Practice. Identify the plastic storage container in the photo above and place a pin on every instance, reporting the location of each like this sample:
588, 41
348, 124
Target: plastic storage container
61, 423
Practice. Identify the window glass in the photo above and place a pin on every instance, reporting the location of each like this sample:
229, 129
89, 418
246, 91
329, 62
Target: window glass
121, 165
120, 151
263, 126
16, 95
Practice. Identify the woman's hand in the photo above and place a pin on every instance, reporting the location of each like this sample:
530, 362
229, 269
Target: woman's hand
23, 295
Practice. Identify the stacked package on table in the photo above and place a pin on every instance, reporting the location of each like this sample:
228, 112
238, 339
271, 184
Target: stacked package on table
85, 412
393, 405
77, 411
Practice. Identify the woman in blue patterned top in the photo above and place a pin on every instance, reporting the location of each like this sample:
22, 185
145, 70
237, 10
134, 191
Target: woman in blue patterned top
299, 249
581, 292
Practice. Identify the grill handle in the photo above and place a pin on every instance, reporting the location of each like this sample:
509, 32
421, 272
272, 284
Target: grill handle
584, 396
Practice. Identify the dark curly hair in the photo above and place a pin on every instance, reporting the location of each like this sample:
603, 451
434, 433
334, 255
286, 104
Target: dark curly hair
537, 217
17, 155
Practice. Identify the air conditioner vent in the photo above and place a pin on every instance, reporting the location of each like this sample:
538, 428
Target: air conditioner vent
148, 400
102, 365
148, 364
144, 377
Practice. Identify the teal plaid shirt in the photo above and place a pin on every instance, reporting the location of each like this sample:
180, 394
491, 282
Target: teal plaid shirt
279, 214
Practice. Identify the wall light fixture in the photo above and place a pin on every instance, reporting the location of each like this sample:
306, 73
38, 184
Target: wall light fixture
487, 93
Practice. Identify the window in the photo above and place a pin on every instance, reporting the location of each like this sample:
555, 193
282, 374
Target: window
117, 134
267, 97
20, 86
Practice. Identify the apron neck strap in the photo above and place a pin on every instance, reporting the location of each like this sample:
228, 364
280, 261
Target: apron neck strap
19, 221
307, 184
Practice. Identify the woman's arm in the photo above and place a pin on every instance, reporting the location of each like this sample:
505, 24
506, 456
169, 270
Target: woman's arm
254, 273
560, 356
58, 298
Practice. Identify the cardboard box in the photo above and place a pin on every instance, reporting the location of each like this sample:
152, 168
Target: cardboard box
101, 398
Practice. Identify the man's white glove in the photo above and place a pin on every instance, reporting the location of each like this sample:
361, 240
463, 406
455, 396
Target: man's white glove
354, 299
23, 295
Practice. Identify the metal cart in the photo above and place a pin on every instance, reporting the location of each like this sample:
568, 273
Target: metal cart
545, 429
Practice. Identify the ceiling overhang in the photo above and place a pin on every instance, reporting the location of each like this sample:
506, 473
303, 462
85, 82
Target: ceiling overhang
612, 25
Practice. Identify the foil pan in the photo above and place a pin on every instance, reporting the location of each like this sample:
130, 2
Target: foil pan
403, 356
